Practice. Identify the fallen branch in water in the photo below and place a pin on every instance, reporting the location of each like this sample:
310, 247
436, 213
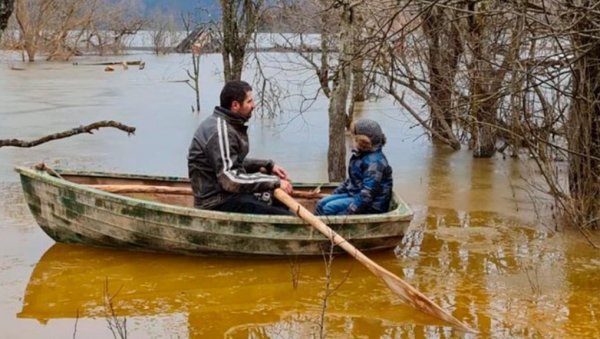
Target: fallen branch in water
79, 130
110, 63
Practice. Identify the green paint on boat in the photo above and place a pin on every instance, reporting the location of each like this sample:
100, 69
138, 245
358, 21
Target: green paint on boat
28, 188
73, 208
69, 200
99, 203
243, 228
184, 220
197, 239
134, 211
283, 228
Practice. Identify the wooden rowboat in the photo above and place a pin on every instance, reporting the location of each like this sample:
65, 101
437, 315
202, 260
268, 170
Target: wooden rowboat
75, 207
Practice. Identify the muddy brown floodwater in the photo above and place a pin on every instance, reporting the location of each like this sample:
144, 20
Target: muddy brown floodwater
477, 246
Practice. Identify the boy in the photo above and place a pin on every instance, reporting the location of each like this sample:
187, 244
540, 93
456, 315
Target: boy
368, 188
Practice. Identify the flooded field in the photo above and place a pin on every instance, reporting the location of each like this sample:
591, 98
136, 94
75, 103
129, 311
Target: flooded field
477, 246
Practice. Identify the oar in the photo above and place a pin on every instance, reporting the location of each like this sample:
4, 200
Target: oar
403, 289
153, 189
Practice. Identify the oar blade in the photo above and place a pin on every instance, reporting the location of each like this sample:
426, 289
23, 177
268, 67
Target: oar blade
416, 299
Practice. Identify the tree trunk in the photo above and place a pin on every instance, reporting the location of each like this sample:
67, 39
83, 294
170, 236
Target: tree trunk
237, 62
323, 71
336, 155
358, 79
229, 30
483, 132
28, 33
358, 60
486, 76
445, 49
6, 9
240, 20
482, 105
584, 129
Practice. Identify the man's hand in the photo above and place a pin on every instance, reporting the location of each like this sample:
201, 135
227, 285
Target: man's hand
280, 172
286, 186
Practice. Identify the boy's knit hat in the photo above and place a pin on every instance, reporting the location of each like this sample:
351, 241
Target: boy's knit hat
371, 129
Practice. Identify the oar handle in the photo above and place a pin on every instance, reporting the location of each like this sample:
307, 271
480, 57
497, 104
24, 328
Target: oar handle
332, 235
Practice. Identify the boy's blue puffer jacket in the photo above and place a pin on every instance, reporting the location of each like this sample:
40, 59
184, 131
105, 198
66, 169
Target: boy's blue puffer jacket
369, 182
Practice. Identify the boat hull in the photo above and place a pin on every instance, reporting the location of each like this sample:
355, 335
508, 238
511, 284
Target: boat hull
71, 212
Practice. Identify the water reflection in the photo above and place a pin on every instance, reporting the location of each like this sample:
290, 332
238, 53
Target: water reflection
238, 298
510, 280
502, 282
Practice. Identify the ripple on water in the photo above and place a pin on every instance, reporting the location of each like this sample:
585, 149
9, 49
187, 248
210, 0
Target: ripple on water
513, 279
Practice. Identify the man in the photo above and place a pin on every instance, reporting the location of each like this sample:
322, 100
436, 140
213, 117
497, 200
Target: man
222, 178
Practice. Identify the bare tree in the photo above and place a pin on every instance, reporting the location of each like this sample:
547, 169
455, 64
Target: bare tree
114, 23
304, 18
53, 26
194, 75
72, 18
161, 27
31, 19
494, 42
554, 105
59, 27
415, 47
239, 22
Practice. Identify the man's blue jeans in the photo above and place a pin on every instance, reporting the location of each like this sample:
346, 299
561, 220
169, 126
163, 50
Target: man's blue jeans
335, 204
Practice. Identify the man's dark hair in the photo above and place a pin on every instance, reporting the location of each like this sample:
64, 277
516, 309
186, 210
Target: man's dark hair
234, 91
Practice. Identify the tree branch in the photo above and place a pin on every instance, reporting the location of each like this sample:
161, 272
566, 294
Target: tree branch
81, 129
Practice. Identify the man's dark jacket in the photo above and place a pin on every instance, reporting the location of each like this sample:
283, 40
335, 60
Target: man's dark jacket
217, 163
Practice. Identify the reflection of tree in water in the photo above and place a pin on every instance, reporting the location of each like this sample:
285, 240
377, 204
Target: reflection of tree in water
298, 325
488, 268
582, 279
